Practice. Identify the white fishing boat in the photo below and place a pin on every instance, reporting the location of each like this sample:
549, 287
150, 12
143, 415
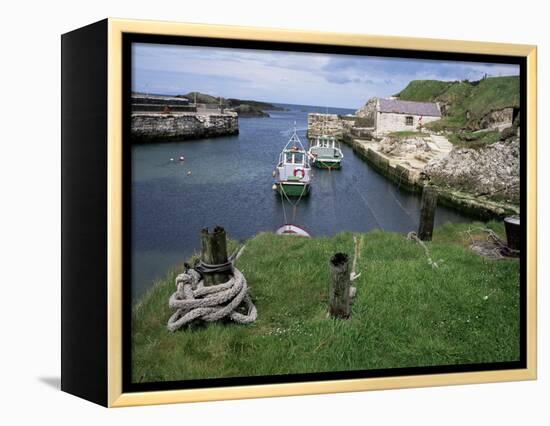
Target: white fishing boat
325, 152
293, 171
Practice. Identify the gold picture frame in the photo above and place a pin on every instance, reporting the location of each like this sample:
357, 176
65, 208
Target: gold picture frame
115, 396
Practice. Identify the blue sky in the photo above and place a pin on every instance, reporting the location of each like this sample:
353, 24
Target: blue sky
289, 77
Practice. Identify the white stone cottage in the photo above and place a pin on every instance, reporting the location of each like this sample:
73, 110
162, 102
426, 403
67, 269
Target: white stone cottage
394, 115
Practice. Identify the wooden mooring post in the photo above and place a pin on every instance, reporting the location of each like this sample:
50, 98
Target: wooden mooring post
215, 267
340, 300
428, 205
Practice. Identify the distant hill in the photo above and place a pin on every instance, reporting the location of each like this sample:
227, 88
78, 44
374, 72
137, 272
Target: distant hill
202, 98
244, 107
255, 104
245, 110
465, 103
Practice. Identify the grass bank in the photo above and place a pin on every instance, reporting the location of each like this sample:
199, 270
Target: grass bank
405, 313
466, 103
474, 139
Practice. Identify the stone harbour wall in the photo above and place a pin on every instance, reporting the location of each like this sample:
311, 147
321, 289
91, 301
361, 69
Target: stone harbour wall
158, 127
324, 124
399, 174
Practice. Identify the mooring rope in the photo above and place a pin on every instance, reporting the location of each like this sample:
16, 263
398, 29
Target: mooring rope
412, 236
356, 253
354, 275
294, 205
367, 206
496, 247
195, 301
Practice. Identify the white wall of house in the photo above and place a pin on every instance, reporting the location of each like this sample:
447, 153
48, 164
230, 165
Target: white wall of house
387, 122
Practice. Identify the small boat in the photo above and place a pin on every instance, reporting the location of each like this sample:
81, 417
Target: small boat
290, 229
325, 152
293, 172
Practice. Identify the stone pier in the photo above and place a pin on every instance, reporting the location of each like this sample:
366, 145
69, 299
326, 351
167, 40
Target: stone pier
329, 124
162, 127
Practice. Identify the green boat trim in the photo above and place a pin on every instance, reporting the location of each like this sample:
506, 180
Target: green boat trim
327, 163
293, 189
325, 152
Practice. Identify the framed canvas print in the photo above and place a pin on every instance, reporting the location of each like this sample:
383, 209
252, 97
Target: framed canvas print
255, 212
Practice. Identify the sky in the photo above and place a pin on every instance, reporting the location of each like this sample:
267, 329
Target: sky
329, 80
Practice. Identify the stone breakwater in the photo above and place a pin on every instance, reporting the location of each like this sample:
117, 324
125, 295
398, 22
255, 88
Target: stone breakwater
160, 127
328, 124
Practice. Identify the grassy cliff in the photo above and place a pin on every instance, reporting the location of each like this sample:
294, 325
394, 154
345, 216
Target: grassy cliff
464, 103
405, 313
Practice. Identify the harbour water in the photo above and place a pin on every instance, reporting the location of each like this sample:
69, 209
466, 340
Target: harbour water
227, 181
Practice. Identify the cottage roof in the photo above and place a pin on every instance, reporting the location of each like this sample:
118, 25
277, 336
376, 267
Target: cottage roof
408, 107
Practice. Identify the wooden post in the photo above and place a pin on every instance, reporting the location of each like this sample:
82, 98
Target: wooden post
340, 302
427, 213
214, 252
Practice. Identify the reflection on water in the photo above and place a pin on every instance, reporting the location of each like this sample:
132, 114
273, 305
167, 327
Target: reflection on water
230, 184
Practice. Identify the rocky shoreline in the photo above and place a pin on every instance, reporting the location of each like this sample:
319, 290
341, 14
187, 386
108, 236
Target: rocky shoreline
492, 171
482, 183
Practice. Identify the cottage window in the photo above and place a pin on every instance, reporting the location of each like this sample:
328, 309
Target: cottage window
408, 120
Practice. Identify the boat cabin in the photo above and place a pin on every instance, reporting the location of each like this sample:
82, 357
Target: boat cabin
293, 163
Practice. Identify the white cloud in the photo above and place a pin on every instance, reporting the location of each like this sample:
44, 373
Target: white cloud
293, 77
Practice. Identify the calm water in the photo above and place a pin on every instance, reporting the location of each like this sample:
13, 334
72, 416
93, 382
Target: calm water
230, 185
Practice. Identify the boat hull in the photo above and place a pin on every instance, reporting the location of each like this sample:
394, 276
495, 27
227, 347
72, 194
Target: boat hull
327, 164
293, 189
289, 229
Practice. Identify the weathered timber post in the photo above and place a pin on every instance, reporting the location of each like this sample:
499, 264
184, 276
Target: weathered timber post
340, 300
513, 232
214, 266
427, 213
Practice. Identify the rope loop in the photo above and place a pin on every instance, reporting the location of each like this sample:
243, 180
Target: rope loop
193, 301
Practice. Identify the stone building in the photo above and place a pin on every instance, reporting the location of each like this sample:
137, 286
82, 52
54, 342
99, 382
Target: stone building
395, 115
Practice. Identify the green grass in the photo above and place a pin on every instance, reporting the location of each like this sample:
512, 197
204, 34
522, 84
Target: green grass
474, 140
493, 94
405, 313
466, 102
408, 134
424, 90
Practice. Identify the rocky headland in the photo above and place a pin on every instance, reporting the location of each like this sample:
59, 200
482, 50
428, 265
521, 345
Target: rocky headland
472, 154
243, 107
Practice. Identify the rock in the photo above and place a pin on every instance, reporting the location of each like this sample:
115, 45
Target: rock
249, 111
497, 118
492, 171
397, 147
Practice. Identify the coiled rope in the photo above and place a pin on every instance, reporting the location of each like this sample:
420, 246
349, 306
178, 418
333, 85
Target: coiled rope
195, 301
